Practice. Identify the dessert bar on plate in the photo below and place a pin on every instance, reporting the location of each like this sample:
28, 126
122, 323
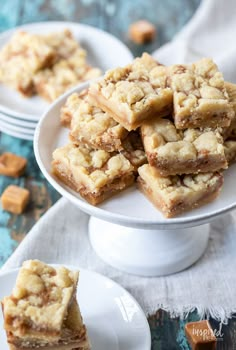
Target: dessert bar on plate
21, 58
189, 151
134, 93
176, 194
200, 95
42, 311
52, 82
95, 174
71, 106
95, 128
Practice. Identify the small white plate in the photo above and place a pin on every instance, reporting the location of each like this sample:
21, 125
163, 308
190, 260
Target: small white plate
19, 129
113, 318
19, 135
104, 51
17, 122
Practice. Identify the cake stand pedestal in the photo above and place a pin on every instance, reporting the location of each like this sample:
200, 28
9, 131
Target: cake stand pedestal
147, 252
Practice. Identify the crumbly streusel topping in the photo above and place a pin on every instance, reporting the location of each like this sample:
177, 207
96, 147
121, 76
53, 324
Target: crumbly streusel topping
199, 85
90, 125
161, 136
41, 297
92, 168
136, 84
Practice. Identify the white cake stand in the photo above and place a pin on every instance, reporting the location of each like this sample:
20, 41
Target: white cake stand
127, 231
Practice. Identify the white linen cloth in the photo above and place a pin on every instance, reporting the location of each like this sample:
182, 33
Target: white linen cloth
60, 236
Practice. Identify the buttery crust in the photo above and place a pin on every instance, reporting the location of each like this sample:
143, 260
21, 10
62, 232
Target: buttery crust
134, 93
174, 195
200, 96
174, 151
95, 174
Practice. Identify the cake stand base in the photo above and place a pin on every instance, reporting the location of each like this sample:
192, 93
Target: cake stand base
147, 252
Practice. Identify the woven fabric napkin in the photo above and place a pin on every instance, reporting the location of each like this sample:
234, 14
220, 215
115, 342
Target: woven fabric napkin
60, 236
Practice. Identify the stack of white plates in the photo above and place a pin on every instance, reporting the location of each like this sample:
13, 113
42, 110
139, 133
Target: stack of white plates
19, 115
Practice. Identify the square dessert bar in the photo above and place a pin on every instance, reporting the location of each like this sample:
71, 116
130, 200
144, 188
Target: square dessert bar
134, 93
42, 311
52, 82
21, 58
70, 107
95, 128
189, 151
174, 195
200, 96
95, 174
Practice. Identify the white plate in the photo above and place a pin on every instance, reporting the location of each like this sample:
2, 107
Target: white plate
130, 207
17, 122
19, 129
19, 135
104, 51
114, 319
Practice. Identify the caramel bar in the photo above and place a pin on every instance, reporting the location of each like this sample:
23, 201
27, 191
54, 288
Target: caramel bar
15, 199
42, 311
200, 96
174, 195
70, 107
95, 128
21, 58
12, 165
95, 174
66, 73
134, 93
142, 32
200, 335
189, 151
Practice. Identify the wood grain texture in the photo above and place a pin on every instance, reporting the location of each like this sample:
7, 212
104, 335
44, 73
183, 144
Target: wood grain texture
114, 16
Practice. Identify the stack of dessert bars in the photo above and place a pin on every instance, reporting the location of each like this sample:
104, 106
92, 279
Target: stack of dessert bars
173, 129
42, 312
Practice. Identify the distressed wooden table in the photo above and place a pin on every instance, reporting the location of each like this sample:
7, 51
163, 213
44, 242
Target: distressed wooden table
113, 16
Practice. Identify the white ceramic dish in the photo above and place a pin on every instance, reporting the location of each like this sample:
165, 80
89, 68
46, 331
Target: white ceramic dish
150, 244
17, 128
17, 122
104, 51
20, 135
114, 319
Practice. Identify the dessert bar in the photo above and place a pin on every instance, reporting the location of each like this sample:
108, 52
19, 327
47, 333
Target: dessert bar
95, 174
134, 93
70, 107
52, 82
42, 311
95, 128
189, 151
21, 58
200, 96
174, 195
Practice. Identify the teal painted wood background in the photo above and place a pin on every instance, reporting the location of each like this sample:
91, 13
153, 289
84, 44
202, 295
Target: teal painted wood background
114, 16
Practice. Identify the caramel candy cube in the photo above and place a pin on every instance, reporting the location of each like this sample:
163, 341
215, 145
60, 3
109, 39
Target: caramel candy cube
200, 335
142, 32
12, 165
15, 199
